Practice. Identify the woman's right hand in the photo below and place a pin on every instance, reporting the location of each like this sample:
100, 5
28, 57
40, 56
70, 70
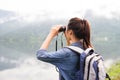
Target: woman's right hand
54, 30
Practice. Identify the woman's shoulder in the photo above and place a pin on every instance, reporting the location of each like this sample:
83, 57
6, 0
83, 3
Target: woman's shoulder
67, 51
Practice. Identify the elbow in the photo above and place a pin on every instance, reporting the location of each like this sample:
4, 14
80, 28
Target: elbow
40, 54
37, 55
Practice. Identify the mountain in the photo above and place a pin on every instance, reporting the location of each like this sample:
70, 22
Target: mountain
21, 39
8, 22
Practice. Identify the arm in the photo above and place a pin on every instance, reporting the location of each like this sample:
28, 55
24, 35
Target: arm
51, 35
51, 57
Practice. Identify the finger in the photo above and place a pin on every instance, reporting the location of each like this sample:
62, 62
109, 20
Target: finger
58, 27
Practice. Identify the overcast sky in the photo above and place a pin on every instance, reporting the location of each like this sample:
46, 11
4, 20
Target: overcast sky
107, 8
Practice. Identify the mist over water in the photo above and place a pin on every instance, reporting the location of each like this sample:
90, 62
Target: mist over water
19, 41
29, 69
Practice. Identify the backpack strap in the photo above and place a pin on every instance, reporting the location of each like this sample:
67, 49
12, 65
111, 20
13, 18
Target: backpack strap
107, 76
76, 49
79, 50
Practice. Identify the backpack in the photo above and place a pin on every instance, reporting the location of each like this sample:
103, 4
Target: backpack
91, 66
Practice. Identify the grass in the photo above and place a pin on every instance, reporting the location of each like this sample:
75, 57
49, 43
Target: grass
114, 71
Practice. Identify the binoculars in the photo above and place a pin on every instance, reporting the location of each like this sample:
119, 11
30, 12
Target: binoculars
62, 29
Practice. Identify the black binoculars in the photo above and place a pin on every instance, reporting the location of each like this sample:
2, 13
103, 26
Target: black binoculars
62, 29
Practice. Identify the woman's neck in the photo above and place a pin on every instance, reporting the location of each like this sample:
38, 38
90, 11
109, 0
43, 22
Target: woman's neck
74, 40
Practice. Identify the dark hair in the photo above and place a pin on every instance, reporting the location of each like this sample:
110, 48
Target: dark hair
81, 30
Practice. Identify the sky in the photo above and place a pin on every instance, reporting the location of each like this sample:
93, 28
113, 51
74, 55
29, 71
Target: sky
62, 8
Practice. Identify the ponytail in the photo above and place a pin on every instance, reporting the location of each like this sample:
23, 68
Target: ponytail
86, 35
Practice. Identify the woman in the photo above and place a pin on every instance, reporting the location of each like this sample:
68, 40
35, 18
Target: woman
77, 33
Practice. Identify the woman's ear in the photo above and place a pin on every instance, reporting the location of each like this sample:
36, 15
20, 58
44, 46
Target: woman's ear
70, 32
